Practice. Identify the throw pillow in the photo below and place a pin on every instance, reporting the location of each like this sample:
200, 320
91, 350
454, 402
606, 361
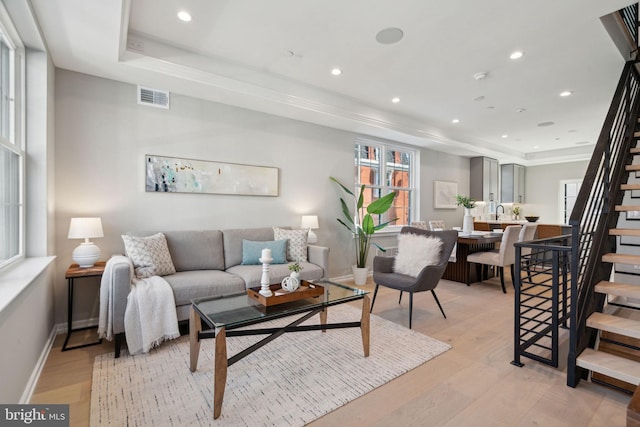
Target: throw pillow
416, 252
296, 243
150, 255
252, 251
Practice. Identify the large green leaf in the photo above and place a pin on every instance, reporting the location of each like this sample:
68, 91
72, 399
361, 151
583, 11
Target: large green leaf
384, 224
368, 225
381, 205
346, 211
343, 187
360, 198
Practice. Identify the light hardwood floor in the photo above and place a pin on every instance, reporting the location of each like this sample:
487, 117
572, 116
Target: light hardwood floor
473, 384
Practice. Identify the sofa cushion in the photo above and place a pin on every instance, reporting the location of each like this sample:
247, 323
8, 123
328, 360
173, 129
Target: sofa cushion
232, 240
150, 255
296, 242
193, 249
188, 285
252, 251
252, 275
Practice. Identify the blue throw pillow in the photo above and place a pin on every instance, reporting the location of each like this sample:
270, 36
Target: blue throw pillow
252, 251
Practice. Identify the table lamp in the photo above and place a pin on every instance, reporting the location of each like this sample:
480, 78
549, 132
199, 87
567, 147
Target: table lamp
87, 253
310, 222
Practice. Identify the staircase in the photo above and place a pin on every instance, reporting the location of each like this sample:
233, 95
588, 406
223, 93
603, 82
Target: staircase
616, 323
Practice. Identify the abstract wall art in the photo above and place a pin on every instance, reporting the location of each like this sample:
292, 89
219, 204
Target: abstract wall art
177, 175
444, 194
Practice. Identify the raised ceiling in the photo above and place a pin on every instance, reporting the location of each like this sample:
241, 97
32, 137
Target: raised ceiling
276, 56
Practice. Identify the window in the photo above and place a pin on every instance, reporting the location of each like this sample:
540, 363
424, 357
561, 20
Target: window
382, 169
11, 153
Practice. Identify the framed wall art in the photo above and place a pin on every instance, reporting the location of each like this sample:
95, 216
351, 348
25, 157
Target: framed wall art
177, 175
444, 194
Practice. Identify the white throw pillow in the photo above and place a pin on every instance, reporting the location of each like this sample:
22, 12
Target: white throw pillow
150, 255
415, 252
296, 242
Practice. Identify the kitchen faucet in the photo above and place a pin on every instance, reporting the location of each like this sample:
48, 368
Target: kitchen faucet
498, 207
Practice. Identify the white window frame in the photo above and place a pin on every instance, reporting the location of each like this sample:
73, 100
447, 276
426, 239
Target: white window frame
414, 178
15, 141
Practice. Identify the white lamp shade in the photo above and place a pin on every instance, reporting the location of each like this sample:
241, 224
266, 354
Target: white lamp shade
309, 221
85, 228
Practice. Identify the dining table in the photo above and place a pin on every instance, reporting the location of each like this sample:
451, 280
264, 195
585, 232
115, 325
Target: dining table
468, 243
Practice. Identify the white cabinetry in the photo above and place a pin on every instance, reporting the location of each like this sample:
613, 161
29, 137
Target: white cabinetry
513, 183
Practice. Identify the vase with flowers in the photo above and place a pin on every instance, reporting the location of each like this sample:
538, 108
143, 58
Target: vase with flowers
467, 203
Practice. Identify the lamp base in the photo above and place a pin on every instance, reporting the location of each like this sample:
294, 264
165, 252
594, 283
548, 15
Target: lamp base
86, 255
312, 237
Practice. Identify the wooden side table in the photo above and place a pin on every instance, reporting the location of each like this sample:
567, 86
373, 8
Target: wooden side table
75, 272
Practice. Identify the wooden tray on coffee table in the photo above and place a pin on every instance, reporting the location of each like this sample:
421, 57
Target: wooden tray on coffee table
280, 296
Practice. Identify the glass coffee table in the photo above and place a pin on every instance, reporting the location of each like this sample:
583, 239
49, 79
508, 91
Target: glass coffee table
226, 314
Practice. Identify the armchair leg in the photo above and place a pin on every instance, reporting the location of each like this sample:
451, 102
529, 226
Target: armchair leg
438, 302
501, 272
400, 299
373, 301
410, 308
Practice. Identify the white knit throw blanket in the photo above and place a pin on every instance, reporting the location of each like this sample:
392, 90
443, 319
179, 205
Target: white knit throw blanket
150, 316
105, 321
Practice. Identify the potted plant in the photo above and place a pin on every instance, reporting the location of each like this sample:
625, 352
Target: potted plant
295, 269
516, 212
361, 225
468, 203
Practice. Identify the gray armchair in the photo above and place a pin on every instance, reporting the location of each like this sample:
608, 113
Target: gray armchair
427, 279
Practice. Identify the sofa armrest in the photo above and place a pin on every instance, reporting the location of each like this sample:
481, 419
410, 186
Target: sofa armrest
121, 286
319, 255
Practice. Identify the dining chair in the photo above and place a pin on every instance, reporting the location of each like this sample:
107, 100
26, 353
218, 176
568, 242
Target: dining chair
527, 233
436, 225
428, 275
419, 224
505, 256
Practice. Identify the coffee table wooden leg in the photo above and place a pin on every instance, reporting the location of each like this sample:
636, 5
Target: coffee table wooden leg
365, 324
220, 372
323, 318
195, 326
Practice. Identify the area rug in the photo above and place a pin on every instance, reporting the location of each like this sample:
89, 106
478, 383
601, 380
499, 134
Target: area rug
291, 381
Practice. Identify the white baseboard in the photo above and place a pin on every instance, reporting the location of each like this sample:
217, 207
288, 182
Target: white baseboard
61, 328
37, 370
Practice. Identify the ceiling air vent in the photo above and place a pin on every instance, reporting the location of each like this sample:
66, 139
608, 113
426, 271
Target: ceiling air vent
153, 97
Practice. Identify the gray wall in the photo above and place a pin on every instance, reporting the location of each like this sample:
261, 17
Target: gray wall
543, 188
102, 136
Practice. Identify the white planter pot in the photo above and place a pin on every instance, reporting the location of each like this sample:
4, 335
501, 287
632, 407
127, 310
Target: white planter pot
467, 222
360, 275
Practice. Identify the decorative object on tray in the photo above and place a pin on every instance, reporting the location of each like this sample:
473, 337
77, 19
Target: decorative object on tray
290, 283
280, 296
532, 218
264, 280
362, 225
468, 204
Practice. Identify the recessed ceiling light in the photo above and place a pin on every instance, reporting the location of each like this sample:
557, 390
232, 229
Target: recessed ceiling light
480, 76
479, 98
566, 93
505, 136
395, 100
521, 110
455, 121
389, 35
516, 55
536, 147
185, 16
336, 71
545, 124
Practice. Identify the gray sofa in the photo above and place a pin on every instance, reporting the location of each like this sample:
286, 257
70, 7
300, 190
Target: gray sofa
208, 263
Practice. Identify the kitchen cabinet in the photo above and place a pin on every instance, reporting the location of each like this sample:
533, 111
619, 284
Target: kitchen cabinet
484, 174
513, 183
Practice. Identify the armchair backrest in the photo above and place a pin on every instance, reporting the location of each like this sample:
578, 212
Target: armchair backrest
527, 233
507, 253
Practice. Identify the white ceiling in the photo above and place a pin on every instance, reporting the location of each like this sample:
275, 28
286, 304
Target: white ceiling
276, 56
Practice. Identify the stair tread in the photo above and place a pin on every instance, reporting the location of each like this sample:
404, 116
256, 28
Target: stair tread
620, 208
621, 258
635, 150
632, 168
630, 186
618, 289
624, 232
615, 324
611, 365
